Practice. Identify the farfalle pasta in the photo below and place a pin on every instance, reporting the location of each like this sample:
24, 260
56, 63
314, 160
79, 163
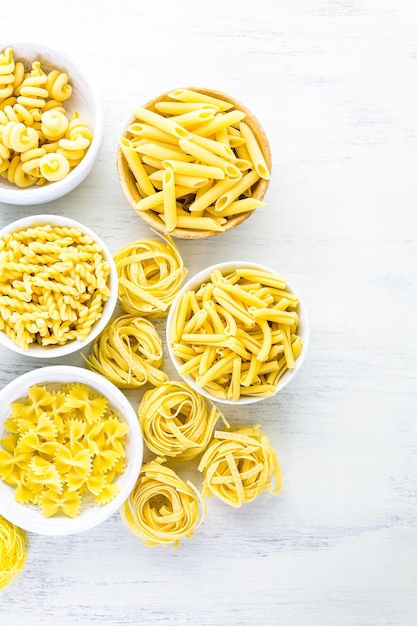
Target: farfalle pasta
240, 464
162, 509
64, 447
128, 353
176, 421
13, 551
40, 139
150, 274
54, 283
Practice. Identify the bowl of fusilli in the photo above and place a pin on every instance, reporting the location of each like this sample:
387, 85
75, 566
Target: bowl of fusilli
51, 124
59, 286
70, 451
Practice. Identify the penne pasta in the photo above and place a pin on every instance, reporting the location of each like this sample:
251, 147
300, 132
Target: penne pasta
189, 95
170, 204
255, 153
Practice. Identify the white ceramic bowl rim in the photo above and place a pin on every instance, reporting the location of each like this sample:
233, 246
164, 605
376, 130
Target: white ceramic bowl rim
30, 517
86, 88
203, 276
109, 306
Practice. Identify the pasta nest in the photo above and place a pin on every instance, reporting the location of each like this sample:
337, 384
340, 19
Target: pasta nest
128, 353
177, 421
13, 551
239, 465
150, 274
162, 509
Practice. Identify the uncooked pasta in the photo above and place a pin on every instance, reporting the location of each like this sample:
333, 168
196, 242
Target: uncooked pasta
13, 551
162, 509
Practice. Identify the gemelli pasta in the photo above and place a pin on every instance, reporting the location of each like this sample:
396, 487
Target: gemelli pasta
239, 465
13, 551
162, 509
54, 283
40, 140
150, 274
63, 447
236, 334
128, 353
176, 421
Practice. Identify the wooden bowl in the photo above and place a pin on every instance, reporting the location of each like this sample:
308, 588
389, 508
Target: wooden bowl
129, 186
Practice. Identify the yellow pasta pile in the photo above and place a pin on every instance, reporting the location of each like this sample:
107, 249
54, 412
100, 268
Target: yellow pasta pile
195, 161
176, 421
53, 285
64, 448
128, 353
13, 551
236, 334
162, 509
150, 274
240, 464
40, 141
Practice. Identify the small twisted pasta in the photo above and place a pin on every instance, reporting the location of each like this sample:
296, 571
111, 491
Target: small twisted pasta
54, 285
129, 353
239, 464
13, 551
32, 116
150, 274
162, 509
176, 421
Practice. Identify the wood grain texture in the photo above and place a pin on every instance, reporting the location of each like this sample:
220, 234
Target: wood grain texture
333, 83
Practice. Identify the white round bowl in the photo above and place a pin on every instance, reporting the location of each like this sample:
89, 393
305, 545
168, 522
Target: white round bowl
30, 517
84, 98
53, 351
204, 276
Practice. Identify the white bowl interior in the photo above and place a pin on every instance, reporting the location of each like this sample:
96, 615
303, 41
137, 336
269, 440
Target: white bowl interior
204, 275
52, 351
30, 517
85, 99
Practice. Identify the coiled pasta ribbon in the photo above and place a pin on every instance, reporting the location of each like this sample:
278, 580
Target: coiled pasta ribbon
129, 353
162, 509
239, 464
150, 274
176, 421
13, 551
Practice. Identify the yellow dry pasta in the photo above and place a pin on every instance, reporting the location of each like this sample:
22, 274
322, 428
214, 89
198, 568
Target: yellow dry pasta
128, 353
240, 464
13, 551
250, 318
162, 509
64, 447
54, 285
176, 421
33, 116
196, 136
150, 273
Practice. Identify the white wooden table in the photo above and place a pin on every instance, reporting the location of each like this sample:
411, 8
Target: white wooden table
334, 84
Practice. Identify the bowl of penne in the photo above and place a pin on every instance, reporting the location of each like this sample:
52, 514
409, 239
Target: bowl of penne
237, 332
52, 124
194, 162
59, 286
70, 450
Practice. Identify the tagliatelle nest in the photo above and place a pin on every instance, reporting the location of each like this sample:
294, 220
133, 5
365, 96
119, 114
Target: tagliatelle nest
239, 465
162, 509
150, 274
13, 551
177, 421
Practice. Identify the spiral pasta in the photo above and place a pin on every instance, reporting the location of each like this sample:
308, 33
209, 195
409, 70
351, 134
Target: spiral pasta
150, 274
128, 353
239, 464
13, 551
162, 509
176, 421
53, 287
32, 117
